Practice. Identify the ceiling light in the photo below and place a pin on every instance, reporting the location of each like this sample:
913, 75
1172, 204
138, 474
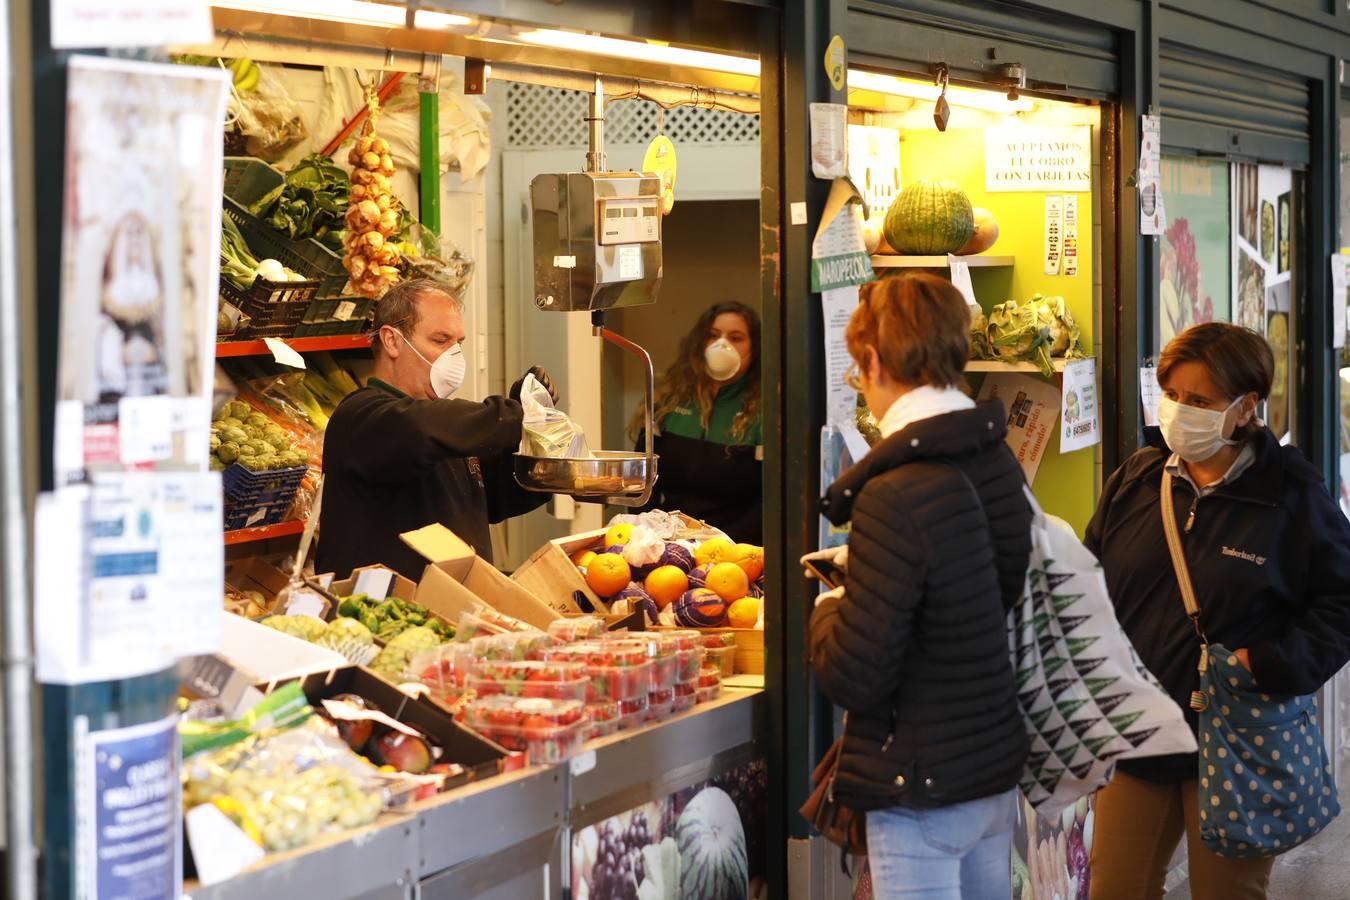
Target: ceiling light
973, 99
638, 50
358, 12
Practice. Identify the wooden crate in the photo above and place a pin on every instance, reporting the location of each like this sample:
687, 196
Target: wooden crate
550, 575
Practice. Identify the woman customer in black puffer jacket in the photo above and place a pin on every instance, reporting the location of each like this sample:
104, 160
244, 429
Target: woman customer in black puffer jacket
915, 646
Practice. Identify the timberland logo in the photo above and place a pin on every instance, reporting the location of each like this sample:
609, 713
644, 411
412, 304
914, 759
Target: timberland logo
1244, 555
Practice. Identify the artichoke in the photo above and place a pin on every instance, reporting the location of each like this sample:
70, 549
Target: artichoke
228, 452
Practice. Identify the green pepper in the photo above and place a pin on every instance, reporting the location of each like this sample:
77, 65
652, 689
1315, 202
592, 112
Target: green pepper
371, 621
350, 608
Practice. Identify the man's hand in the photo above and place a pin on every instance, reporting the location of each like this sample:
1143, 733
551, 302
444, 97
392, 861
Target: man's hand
542, 377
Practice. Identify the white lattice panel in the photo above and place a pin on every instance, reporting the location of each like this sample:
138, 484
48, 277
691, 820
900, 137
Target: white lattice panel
539, 117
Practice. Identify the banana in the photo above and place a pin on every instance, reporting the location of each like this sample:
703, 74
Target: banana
245, 73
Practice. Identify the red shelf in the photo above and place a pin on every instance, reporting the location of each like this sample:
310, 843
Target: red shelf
281, 529
226, 349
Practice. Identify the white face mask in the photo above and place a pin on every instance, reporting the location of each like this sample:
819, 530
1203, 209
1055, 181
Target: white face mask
1193, 433
447, 372
722, 359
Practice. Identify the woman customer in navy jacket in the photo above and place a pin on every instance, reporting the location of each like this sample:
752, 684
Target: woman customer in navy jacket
1269, 554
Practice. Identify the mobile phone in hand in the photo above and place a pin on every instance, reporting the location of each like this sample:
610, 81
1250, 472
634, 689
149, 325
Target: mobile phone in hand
827, 572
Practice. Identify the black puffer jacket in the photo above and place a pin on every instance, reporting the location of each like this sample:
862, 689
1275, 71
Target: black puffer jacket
917, 652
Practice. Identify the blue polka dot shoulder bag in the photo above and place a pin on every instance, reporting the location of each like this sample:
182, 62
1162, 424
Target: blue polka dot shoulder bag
1265, 782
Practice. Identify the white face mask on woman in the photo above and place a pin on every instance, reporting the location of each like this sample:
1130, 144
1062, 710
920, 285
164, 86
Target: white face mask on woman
722, 359
1193, 433
447, 372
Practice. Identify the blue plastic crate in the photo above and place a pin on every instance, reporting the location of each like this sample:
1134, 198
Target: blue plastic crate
253, 498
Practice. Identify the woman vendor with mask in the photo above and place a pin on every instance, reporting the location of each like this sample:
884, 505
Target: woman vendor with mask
708, 433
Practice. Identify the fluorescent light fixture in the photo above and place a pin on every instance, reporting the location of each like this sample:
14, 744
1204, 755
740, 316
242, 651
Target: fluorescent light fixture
357, 12
638, 50
900, 87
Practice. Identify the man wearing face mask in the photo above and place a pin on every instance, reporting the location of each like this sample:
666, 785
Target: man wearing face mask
708, 424
402, 453
1268, 553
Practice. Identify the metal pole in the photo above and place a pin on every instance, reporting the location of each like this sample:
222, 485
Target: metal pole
21, 851
595, 159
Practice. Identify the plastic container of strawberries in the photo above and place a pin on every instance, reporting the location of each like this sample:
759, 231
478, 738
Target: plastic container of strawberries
571, 629
617, 671
547, 731
604, 719
633, 713
686, 695
555, 679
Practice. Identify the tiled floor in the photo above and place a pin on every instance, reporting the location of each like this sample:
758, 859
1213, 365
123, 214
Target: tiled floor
1318, 871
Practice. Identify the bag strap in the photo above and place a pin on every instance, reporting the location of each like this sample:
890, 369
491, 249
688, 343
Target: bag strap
1169, 520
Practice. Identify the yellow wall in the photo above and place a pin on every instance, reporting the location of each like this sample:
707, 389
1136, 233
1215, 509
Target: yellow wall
1065, 484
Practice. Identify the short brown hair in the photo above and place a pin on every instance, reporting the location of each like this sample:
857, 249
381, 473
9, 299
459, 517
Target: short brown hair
919, 325
1239, 360
398, 307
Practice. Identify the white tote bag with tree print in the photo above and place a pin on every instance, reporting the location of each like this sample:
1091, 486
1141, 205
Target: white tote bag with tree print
1085, 695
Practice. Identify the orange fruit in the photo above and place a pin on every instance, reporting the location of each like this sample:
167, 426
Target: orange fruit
744, 613
582, 558
713, 550
618, 535
608, 574
728, 581
749, 557
665, 585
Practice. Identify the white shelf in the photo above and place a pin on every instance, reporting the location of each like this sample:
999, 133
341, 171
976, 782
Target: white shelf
989, 365
939, 262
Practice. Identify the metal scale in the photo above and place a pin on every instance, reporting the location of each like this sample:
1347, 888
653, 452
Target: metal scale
597, 246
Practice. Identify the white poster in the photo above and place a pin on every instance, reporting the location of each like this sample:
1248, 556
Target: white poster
840, 399
1338, 299
838, 256
129, 572
82, 24
141, 238
1033, 408
1152, 219
1150, 392
1078, 406
1070, 235
1023, 158
1054, 233
829, 140
874, 167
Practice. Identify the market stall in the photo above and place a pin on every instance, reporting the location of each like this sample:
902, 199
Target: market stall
323, 213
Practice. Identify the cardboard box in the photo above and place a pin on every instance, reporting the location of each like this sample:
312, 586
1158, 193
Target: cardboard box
550, 575
456, 580
252, 654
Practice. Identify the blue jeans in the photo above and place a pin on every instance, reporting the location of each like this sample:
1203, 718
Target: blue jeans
960, 852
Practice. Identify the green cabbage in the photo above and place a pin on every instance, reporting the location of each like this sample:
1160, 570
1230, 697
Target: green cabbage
1034, 332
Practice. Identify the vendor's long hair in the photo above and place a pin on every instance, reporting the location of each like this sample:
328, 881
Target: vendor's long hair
687, 382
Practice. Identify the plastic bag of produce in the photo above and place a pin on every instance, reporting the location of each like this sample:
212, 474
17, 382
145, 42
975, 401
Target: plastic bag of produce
549, 432
268, 117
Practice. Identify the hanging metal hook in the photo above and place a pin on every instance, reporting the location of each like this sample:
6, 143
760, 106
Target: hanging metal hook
942, 112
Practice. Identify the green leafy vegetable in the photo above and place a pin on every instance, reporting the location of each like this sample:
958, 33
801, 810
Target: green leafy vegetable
310, 203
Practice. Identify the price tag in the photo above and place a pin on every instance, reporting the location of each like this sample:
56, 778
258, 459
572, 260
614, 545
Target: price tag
305, 603
341, 709
345, 310
284, 353
374, 583
960, 270
797, 212
583, 762
220, 849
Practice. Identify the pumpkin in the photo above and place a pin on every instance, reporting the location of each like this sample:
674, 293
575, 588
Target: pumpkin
986, 233
700, 608
713, 860
929, 218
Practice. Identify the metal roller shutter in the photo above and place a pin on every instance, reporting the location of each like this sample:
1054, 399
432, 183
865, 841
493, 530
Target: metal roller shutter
1215, 105
1061, 55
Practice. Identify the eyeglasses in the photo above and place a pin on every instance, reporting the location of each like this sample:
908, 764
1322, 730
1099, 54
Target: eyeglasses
853, 378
